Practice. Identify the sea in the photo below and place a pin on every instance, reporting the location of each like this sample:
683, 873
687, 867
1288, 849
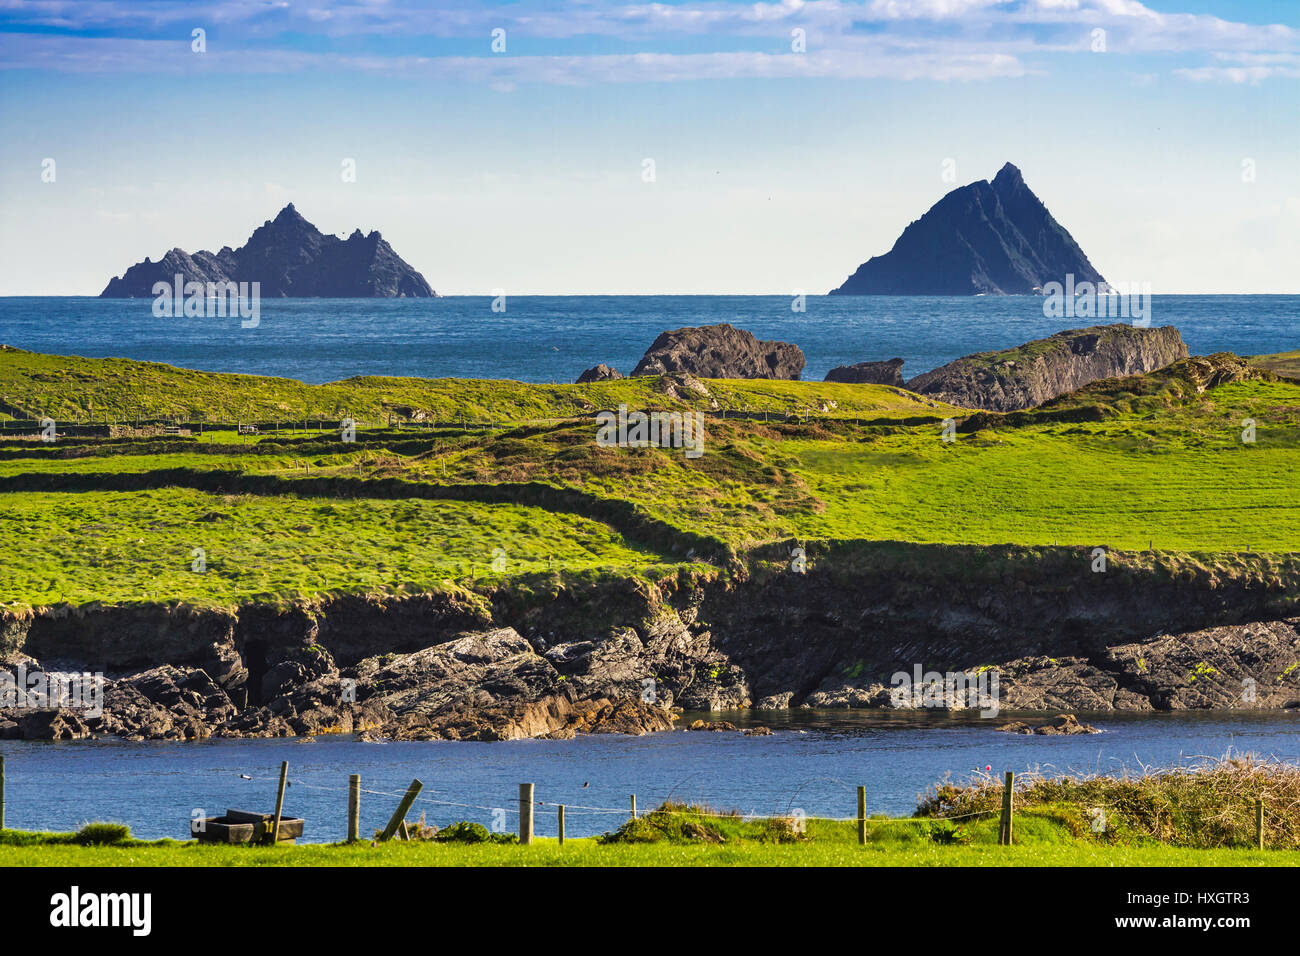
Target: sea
554, 338
813, 761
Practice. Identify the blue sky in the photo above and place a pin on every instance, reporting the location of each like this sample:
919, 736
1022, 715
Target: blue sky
523, 170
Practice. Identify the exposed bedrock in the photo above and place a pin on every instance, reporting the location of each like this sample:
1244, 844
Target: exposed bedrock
1150, 633
869, 373
1037, 371
720, 351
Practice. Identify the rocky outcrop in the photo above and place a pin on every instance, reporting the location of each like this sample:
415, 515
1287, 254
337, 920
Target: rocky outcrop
1152, 632
869, 373
1065, 725
288, 256
1040, 370
598, 373
720, 351
985, 238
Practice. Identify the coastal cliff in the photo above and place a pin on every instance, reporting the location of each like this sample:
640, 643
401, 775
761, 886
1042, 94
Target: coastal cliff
1153, 632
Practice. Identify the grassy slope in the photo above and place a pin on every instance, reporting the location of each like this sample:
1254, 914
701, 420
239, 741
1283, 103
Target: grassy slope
70, 388
120, 547
1158, 461
1283, 363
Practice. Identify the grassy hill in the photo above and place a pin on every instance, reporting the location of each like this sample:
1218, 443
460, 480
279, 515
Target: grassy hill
1153, 461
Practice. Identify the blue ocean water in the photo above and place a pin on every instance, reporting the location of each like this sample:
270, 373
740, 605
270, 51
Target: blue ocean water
812, 762
554, 338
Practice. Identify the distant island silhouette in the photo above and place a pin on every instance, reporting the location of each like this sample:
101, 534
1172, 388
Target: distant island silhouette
289, 257
994, 238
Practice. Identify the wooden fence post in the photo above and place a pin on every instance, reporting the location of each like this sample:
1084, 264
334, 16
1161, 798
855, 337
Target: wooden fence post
1005, 830
354, 807
862, 816
525, 813
279, 801
1259, 822
399, 814
2, 791
634, 806
560, 821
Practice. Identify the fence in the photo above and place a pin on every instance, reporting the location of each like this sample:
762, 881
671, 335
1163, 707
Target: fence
527, 809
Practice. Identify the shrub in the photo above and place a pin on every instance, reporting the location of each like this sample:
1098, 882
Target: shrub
102, 834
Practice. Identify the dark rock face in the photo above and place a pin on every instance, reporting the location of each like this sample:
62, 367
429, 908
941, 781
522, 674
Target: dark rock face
1040, 370
598, 373
869, 373
289, 257
1152, 633
988, 237
720, 351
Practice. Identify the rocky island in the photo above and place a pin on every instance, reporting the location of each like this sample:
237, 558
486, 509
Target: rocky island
993, 238
289, 257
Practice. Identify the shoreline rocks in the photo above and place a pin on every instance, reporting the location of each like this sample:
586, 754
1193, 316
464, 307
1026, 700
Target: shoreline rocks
720, 351
869, 373
599, 373
600, 657
1065, 725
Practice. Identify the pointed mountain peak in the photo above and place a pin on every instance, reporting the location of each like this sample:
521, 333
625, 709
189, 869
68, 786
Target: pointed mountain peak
289, 214
1008, 175
987, 237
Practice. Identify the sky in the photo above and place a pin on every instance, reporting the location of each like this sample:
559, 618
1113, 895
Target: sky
700, 146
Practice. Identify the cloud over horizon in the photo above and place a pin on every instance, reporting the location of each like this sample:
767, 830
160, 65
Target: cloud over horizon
574, 43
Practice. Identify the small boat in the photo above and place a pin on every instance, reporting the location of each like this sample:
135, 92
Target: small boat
240, 826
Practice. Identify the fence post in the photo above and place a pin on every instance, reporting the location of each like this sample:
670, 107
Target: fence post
634, 806
354, 807
2, 791
1004, 831
279, 801
399, 814
862, 816
525, 813
1259, 820
560, 820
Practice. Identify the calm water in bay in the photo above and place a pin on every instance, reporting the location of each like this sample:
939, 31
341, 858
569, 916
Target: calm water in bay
813, 761
553, 338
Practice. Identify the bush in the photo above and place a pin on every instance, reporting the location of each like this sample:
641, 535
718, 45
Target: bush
102, 834
1207, 804
467, 832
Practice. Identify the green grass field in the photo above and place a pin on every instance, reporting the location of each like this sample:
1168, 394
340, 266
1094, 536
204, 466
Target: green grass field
119, 547
1042, 840
1158, 460
587, 853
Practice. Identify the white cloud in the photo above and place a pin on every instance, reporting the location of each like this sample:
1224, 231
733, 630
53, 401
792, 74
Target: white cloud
904, 39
